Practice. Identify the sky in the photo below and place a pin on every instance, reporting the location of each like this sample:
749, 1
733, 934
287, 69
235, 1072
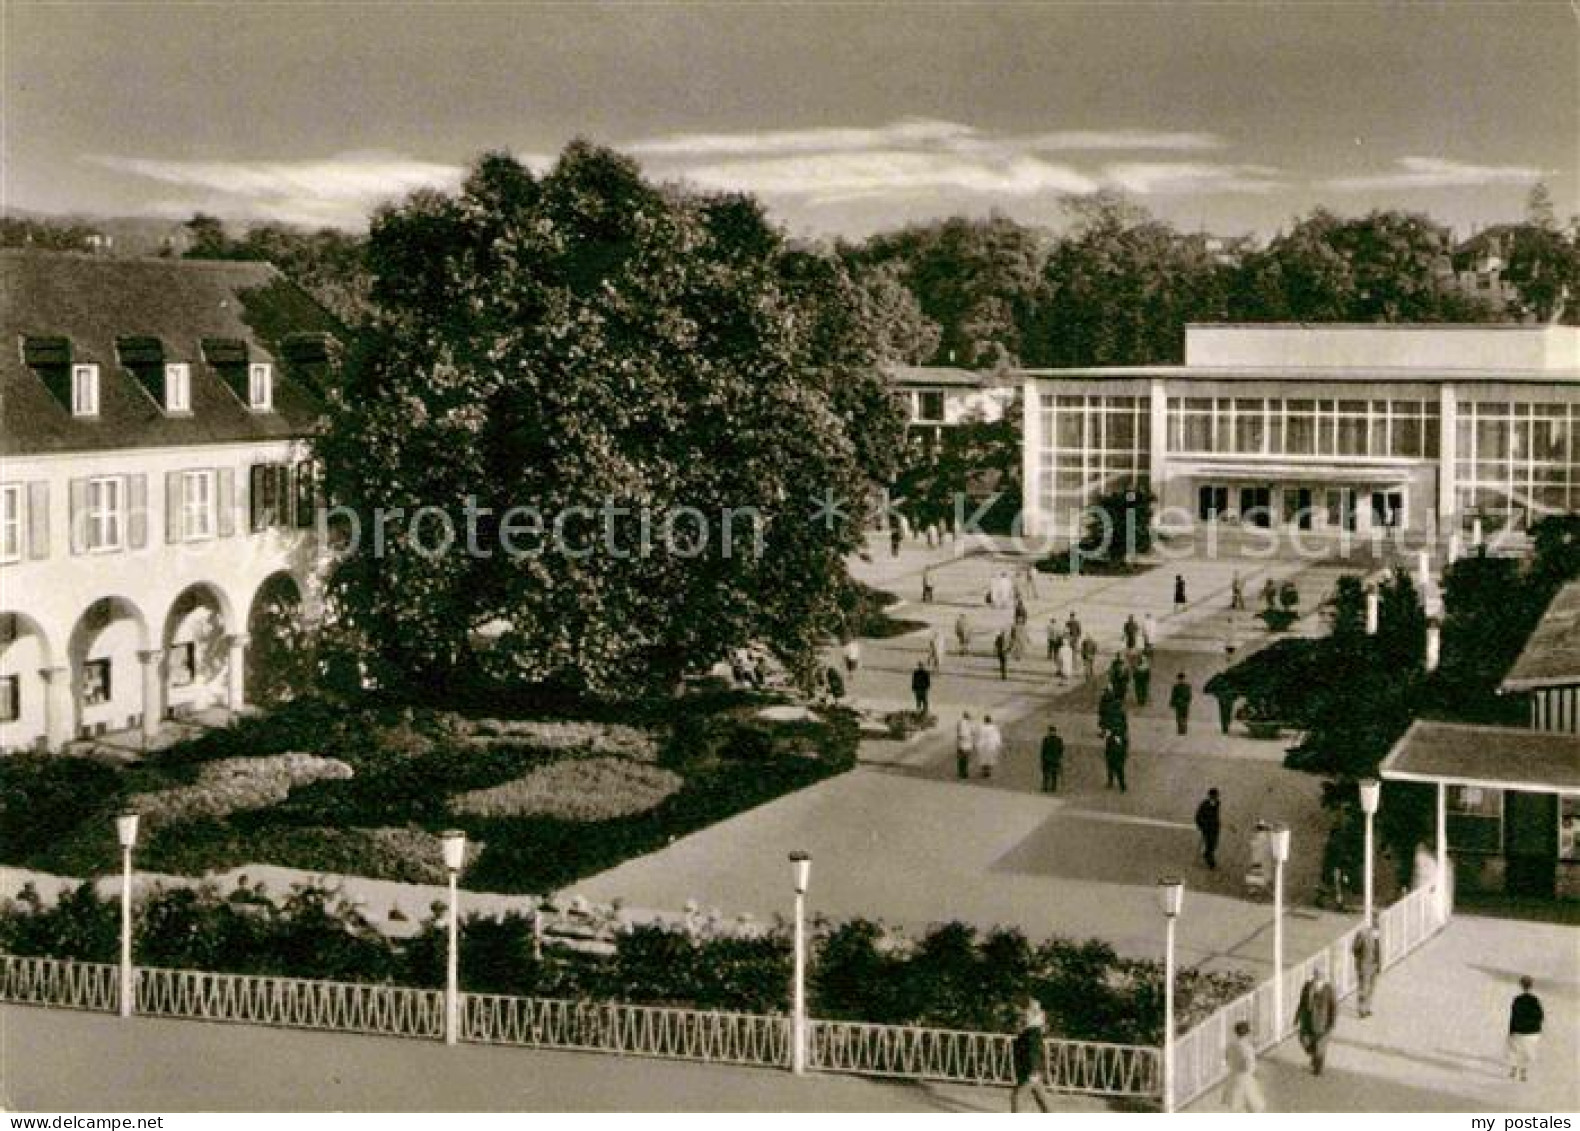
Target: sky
844, 118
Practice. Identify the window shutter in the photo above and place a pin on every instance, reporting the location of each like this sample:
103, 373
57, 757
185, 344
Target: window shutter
137, 511
79, 516
225, 500
38, 520
172, 506
255, 475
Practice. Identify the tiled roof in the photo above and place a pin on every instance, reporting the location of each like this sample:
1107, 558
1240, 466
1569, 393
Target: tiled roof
1551, 657
93, 300
1489, 757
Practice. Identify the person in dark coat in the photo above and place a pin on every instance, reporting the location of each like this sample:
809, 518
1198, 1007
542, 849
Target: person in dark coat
1141, 677
1179, 702
895, 538
1001, 648
1525, 1030
1209, 822
1318, 1014
1052, 759
1179, 593
1116, 749
1132, 633
927, 587
1089, 656
921, 685
1119, 676
1226, 704
1111, 714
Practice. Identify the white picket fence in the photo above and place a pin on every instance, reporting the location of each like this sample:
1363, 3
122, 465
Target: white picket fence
1199, 1055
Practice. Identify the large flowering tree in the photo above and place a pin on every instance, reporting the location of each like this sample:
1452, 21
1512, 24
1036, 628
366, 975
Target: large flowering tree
586, 339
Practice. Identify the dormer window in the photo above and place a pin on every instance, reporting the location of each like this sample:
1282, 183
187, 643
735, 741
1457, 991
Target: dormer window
85, 390
260, 386
178, 387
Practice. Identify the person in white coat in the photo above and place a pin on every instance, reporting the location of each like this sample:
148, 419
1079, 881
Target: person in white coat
990, 744
1241, 1089
965, 745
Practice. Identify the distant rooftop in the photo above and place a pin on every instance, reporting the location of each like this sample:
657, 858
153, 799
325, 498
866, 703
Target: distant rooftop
1486, 757
934, 375
1551, 657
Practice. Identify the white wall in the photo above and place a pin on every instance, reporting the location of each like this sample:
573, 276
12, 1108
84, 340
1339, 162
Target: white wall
1493, 348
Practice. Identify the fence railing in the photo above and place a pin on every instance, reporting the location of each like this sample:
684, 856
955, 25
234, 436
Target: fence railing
1199, 1055
294, 1003
629, 1030
964, 1057
52, 981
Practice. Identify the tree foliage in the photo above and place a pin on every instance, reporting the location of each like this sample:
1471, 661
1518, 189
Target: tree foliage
589, 340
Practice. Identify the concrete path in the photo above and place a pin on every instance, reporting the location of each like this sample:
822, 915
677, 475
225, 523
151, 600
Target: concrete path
1435, 1040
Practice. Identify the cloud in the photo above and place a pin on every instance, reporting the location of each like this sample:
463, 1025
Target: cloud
829, 176
1437, 172
336, 190
1164, 178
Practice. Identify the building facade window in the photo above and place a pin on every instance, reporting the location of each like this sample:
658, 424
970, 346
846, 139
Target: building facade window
1475, 819
269, 494
12, 522
1515, 463
10, 698
929, 408
1098, 444
1296, 426
260, 386
96, 687
106, 513
178, 387
85, 390
197, 505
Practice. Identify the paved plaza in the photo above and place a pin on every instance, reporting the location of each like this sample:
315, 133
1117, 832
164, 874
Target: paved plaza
903, 840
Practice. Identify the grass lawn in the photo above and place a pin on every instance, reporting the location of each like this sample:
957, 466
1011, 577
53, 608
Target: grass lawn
364, 790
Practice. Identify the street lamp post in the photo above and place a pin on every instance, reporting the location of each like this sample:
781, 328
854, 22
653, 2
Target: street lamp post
801, 867
1171, 898
126, 833
1373, 605
1278, 841
1371, 794
454, 845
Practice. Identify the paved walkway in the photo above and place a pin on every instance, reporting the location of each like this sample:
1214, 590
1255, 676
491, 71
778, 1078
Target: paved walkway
61, 1060
1435, 1039
902, 840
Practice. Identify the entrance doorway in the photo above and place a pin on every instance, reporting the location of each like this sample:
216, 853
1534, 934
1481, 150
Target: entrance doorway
1256, 506
1297, 507
1341, 508
1212, 502
1388, 509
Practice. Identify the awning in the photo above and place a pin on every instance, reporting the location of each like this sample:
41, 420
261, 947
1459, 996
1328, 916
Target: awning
1551, 657
1305, 474
1529, 761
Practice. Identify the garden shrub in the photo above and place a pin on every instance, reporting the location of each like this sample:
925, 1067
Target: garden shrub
232, 785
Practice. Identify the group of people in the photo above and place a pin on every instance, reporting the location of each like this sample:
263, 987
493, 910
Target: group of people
978, 746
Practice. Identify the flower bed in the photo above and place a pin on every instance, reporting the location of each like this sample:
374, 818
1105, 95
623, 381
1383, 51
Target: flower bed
560, 735
232, 785
588, 789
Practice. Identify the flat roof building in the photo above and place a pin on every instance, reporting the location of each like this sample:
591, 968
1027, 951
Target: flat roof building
1338, 428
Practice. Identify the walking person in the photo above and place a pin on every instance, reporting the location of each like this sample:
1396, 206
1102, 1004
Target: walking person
1029, 1055
1318, 1014
1017, 639
1180, 600
1066, 659
1055, 634
935, 651
1367, 950
1116, 749
1052, 756
965, 745
852, 656
1236, 593
1089, 656
1132, 633
1209, 822
1179, 702
921, 686
1525, 1030
1072, 629
1028, 580
990, 744
927, 579
1001, 649
1119, 677
1141, 677
1111, 714
895, 538
1241, 1089
1149, 631
963, 634
1227, 701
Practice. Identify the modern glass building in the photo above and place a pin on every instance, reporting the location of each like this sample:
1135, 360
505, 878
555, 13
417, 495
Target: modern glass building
1350, 428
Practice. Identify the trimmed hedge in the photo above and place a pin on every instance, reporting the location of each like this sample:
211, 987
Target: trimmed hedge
952, 977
